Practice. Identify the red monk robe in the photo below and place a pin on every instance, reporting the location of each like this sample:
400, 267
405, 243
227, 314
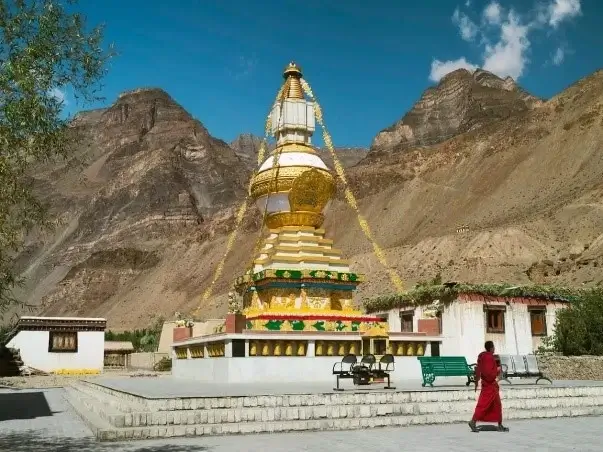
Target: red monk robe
489, 405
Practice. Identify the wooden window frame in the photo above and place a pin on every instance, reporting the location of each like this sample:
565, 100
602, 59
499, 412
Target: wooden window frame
499, 310
412, 321
53, 349
538, 310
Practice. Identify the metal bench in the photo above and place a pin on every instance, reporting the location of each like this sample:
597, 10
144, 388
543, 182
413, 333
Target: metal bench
521, 366
362, 372
445, 366
343, 369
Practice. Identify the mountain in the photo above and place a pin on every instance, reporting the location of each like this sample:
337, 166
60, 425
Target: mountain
461, 102
144, 173
146, 206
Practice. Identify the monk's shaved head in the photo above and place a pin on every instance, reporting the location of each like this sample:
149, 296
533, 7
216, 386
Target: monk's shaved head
489, 346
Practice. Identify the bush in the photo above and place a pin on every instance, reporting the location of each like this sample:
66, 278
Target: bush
579, 328
163, 365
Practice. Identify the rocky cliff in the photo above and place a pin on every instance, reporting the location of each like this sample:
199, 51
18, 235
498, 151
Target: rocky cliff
461, 102
146, 205
143, 173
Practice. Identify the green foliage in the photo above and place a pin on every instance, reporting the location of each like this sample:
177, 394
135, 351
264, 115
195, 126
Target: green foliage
426, 293
5, 331
44, 47
579, 328
144, 340
163, 365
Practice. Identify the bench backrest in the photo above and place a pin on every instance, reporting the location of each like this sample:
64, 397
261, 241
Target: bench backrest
459, 367
519, 365
454, 365
532, 365
505, 360
349, 359
387, 359
368, 359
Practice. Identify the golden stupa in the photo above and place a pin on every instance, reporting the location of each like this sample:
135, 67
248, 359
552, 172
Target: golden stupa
298, 281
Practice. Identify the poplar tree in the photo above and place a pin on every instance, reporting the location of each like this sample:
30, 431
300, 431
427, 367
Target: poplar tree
45, 48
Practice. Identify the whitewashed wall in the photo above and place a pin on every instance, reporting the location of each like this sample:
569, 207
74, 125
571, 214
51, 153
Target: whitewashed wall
464, 328
277, 369
33, 346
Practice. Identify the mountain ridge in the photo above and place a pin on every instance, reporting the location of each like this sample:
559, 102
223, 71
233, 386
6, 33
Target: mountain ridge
145, 216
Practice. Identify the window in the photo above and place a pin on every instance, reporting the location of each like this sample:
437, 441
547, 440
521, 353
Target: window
538, 321
406, 321
383, 317
495, 319
62, 342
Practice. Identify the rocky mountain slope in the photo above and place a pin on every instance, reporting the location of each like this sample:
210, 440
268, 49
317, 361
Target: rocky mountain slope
515, 195
461, 102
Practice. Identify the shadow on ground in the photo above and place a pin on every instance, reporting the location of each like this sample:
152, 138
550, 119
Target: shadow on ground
488, 428
23, 405
28, 441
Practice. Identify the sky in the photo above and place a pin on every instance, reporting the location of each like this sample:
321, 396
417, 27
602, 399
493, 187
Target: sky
367, 61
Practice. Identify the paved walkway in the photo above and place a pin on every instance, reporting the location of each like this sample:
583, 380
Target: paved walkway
41, 421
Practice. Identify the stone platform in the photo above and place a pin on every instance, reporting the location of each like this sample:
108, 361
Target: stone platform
138, 408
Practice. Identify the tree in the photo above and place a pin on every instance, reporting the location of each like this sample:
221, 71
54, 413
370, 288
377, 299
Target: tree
44, 47
579, 328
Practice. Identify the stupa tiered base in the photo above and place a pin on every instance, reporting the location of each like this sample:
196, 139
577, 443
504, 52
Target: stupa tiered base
300, 283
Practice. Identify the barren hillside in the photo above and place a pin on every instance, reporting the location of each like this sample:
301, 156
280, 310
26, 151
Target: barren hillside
146, 211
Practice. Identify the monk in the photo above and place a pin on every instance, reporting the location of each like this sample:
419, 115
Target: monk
489, 406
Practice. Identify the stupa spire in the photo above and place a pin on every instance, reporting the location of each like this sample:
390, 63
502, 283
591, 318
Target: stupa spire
292, 76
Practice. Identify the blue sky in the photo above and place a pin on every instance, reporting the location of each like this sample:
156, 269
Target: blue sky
367, 61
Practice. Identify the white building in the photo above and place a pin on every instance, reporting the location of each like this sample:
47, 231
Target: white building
61, 344
516, 325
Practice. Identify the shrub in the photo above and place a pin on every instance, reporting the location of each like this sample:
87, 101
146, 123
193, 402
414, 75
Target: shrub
163, 365
579, 327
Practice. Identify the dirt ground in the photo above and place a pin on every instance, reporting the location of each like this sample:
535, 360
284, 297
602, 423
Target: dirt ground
60, 381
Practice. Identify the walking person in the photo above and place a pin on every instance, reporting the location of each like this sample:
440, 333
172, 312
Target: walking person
489, 405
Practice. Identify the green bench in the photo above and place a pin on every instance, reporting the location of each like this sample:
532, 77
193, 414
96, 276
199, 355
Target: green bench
445, 366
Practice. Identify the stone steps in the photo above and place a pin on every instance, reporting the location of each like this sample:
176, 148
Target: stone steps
111, 399
114, 415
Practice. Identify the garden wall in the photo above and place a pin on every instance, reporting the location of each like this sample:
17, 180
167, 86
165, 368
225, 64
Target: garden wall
146, 360
572, 367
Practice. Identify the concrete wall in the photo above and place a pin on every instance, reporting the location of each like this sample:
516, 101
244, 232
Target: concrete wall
145, 360
464, 328
33, 346
199, 329
277, 369
572, 367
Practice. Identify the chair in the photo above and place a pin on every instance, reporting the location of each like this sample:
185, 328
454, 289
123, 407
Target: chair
386, 366
506, 368
533, 369
343, 369
519, 366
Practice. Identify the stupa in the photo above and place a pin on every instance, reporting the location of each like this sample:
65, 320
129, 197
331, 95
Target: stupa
294, 315
298, 281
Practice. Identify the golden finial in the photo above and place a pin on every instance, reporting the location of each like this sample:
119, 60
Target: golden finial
293, 88
292, 69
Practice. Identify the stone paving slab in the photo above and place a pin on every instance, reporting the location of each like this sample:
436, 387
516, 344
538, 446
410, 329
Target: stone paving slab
62, 431
167, 387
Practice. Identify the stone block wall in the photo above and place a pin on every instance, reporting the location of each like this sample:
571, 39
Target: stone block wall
572, 367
